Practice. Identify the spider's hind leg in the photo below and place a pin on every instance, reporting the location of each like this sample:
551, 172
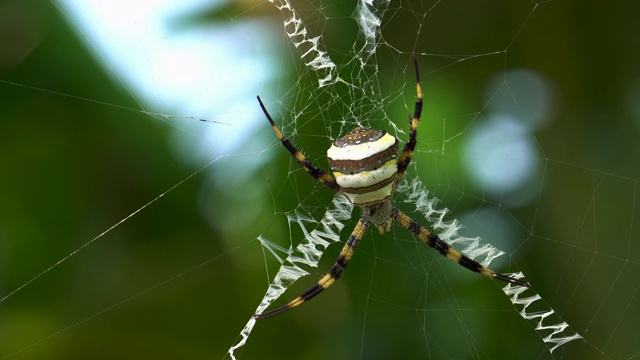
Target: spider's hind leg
317, 173
409, 147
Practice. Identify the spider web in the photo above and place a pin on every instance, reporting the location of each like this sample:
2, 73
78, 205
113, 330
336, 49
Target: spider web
162, 275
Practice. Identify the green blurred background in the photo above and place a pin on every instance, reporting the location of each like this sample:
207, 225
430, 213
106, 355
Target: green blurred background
181, 277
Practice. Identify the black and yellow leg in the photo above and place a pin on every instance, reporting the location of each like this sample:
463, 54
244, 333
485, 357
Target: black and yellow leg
443, 248
319, 174
333, 275
409, 147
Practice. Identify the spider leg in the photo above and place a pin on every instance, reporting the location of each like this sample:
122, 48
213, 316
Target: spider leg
333, 275
407, 151
317, 173
443, 248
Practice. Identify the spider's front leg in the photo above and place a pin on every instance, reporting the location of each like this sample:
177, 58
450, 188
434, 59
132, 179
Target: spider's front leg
446, 250
333, 275
317, 173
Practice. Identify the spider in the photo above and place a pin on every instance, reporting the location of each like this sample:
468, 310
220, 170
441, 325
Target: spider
366, 170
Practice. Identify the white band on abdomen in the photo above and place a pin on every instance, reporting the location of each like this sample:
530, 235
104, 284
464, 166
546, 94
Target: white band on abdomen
365, 179
361, 151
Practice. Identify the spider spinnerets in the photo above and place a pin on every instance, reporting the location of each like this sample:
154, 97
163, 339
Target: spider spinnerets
366, 169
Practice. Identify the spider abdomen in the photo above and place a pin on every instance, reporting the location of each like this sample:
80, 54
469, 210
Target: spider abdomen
364, 163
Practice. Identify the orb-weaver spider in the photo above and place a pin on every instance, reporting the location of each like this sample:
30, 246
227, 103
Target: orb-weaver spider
366, 170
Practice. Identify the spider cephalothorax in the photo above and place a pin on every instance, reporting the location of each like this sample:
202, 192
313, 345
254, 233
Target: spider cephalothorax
366, 169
